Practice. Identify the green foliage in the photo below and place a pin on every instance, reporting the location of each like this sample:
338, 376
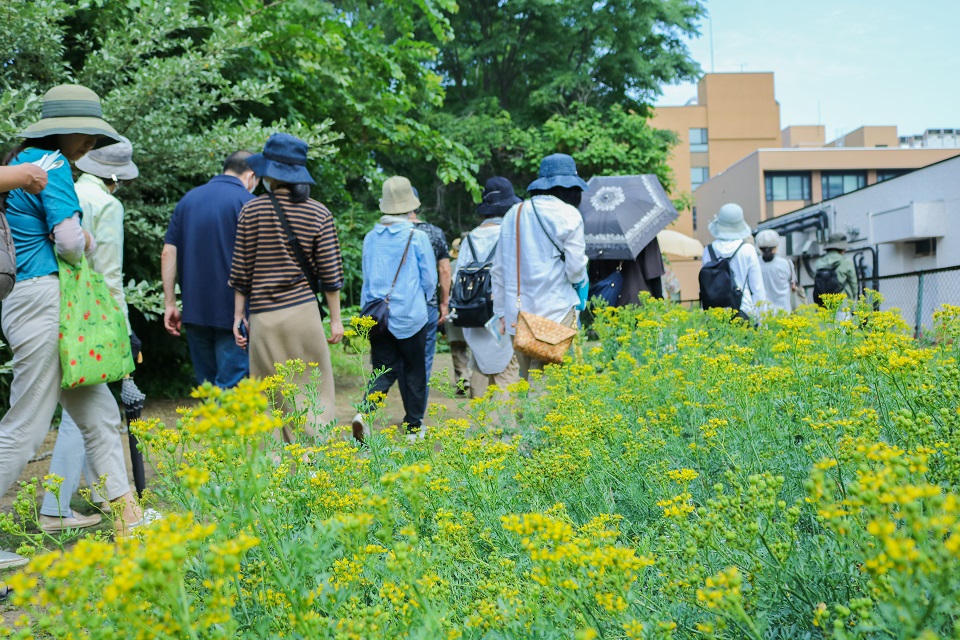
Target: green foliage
537, 58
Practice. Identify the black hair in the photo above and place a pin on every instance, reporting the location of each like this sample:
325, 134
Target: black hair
767, 253
47, 143
570, 195
299, 192
236, 162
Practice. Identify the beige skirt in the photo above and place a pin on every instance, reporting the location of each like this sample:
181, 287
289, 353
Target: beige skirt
290, 334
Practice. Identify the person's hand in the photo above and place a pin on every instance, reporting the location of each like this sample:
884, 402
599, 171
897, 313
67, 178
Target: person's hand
240, 331
34, 178
444, 311
172, 320
336, 332
503, 326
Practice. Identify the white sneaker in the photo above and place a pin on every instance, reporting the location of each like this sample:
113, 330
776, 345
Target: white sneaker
419, 434
149, 516
359, 428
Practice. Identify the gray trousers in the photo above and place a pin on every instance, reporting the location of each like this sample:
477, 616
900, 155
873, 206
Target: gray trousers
31, 324
69, 461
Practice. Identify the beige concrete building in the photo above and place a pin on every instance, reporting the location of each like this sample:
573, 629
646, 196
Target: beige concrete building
772, 182
734, 115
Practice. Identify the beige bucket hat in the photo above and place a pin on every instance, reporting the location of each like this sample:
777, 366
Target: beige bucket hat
72, 108
398, 196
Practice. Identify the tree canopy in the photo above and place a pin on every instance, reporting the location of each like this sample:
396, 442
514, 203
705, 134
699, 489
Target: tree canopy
448, 95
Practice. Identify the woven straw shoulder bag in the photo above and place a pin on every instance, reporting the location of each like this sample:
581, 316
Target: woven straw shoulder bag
537, 337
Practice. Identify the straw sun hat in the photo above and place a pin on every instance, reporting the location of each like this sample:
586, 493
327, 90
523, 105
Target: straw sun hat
72, 108
398, 196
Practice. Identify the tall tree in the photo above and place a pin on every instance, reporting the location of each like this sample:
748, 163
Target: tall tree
536, 57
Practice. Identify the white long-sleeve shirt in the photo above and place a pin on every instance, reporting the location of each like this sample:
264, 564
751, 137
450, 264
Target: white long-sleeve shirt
492, 357
546, 280
746, 270
778, 278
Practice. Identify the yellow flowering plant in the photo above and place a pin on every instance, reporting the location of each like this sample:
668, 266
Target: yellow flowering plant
684, 476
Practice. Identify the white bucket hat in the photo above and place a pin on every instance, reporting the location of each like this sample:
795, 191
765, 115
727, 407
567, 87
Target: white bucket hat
112, 162
729, 224
768, 238
398, 196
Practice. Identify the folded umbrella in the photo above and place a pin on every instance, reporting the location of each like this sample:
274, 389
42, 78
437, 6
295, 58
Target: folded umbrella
132, 399
622, 214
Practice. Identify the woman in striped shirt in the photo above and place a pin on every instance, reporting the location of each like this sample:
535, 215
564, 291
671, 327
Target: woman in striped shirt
285, 320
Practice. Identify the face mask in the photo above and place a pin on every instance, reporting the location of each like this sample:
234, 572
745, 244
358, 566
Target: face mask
266, 185
116, 184
253, 187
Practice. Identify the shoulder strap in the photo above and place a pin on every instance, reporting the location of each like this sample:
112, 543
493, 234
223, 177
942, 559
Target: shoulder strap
473, 249
492, 251
519, 211
406, 249
563, 256
737, 250
294, 243
713, 253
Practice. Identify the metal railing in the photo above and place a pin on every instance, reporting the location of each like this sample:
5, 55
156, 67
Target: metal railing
916, 294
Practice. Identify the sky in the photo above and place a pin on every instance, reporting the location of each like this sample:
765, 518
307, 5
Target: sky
841, 63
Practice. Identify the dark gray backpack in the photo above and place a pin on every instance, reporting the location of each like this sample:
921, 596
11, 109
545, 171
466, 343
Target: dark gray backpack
8, 253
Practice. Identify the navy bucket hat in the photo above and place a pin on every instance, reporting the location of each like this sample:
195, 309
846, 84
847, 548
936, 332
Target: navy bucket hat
557, 170
284, 158
498, 197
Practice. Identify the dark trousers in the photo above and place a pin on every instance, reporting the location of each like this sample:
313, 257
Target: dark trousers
405, 362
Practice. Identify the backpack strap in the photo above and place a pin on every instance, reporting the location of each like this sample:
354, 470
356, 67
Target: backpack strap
473, 248
713, 253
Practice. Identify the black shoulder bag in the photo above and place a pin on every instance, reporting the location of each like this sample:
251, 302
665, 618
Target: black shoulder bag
294, 243
379, 308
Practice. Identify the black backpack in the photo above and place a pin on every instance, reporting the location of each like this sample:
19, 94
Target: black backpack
471, 300
717, 285
825, 280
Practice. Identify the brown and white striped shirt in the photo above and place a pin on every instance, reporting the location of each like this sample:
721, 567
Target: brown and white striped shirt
264, 267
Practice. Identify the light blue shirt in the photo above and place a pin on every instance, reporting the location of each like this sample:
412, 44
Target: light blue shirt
416, 281
33, 217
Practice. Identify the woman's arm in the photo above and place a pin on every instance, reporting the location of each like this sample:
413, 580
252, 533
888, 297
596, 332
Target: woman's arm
336, 322
28, 177
240, 319
70, 241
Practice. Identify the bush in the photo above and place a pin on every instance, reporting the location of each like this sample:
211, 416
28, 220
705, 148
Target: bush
683, 477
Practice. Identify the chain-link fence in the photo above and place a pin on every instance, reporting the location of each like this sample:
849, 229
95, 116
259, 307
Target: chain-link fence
916, 295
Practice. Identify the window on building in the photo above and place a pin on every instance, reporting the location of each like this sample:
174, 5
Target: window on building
886, 174
837, 184
787, 186
698, 175
694, 212
698, 140
925, 248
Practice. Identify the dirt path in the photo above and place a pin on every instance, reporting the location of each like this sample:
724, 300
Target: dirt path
348, 392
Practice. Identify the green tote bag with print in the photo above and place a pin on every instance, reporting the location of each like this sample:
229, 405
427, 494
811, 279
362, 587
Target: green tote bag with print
94, 345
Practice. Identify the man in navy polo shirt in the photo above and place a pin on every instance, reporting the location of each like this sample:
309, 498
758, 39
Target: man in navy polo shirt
199, 248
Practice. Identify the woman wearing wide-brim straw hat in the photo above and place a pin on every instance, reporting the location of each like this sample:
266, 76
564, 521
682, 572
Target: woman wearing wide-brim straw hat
46, 225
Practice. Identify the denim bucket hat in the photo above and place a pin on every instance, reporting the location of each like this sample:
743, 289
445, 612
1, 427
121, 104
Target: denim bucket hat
72, 108
498, 197
284, 158
557, 170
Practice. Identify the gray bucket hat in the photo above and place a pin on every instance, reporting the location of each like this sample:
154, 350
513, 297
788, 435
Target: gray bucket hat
72, 108
729, 224
113, 162
836, 241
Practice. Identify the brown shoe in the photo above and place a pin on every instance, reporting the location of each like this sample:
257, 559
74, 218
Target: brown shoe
78, 521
